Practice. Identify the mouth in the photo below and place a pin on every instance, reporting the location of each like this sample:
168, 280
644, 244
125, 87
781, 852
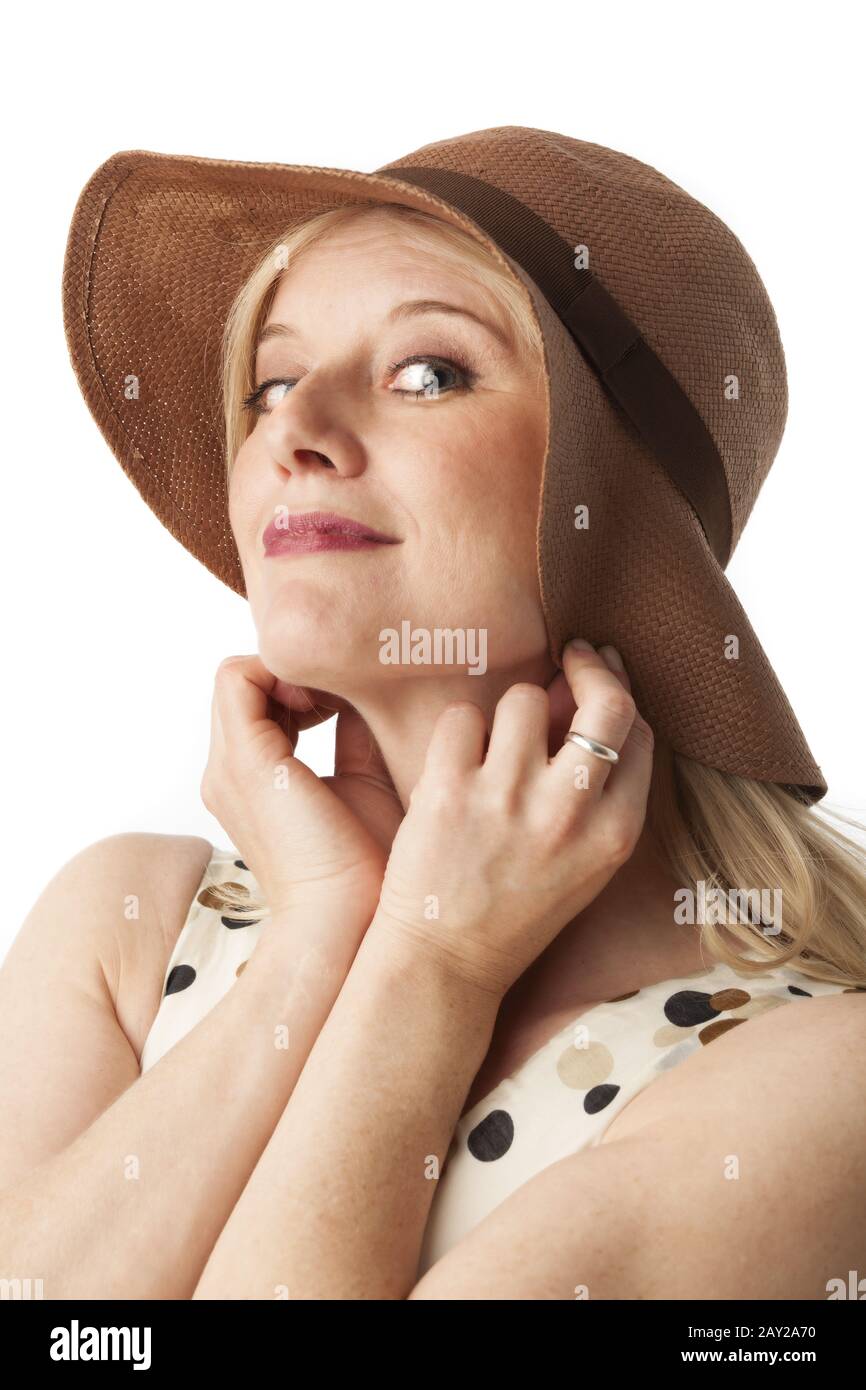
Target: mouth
303, 532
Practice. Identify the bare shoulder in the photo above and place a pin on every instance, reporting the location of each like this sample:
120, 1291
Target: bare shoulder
119, 904
738, 1174
808, 1052
81, 984
147, 883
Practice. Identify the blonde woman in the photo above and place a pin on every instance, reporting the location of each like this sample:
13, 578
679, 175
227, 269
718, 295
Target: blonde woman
562, 968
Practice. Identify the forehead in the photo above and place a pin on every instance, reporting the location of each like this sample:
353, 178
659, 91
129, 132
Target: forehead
372, 265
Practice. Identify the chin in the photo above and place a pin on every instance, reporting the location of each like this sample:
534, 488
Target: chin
316, 649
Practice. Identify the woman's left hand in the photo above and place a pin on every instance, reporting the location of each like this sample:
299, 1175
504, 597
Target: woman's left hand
496, 854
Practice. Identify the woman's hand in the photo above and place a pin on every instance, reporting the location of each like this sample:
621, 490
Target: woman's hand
307, 839
494, 857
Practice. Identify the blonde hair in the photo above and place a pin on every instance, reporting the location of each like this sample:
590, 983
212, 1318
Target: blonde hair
712, 827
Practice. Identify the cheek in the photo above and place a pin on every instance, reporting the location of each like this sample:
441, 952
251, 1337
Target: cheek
245, 501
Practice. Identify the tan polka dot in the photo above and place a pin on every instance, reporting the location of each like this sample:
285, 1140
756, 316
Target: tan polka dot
669, 1033
208, 896
759, 1006
241, 968
719, 1026
583, 1067
618, 998
729, 999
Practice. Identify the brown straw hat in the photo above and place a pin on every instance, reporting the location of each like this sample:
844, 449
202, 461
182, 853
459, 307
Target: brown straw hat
665, 373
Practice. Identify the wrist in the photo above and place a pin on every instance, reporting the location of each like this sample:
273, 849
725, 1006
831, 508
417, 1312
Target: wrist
436, 963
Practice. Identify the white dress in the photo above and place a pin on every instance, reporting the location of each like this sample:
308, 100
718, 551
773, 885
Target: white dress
558, 1102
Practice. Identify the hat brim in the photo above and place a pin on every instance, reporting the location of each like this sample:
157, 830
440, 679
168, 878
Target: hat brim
159, 246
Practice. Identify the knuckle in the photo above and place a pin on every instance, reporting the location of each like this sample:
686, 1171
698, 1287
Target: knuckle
618, 838
501, 798
228, 665
440, 796
525, 690
618, 703
560, 821
642, 733
464, 707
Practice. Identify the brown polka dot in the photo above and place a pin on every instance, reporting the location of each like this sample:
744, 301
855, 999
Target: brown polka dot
666, 1035
241, 968
618, 998
761, 1005
208, 897
715, 1030
579, 1068
729, 999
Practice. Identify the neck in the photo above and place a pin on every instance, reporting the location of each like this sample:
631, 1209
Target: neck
627, 930
402, 712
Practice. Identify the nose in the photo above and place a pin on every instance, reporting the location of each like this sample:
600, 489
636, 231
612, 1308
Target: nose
302, 456
310, 429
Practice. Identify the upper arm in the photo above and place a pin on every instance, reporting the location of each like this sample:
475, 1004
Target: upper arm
742, 1177
78, 984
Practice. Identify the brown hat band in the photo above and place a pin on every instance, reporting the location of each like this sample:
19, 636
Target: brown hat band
650, 395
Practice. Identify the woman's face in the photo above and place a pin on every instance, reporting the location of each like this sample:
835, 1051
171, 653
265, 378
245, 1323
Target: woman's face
450, 468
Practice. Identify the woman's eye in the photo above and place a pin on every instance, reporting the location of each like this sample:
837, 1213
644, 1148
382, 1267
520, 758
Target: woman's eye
265, 397
422, 375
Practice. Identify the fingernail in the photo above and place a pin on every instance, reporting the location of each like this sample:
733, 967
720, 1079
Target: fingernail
611, 656
579, 645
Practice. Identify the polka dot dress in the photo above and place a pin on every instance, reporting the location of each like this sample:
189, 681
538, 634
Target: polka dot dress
558, 1102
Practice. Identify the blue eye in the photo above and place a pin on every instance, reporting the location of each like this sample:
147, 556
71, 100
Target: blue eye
427, 372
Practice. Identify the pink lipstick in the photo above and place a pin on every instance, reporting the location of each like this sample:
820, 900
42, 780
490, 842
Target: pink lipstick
303, 532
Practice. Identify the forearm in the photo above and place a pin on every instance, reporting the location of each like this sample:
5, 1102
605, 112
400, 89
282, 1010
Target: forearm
132, 1208
338, 1202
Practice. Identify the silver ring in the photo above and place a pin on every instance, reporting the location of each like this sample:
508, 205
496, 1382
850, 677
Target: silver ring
601, 750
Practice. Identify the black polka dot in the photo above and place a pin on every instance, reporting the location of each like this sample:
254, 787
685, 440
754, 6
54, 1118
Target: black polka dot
796, 990
688, 1007
234, 922
239, 864
180, 977
491, 1138
598, 1098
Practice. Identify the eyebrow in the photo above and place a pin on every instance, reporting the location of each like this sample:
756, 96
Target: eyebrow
410, 309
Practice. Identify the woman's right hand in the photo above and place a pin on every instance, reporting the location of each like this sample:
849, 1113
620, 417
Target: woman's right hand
309, 841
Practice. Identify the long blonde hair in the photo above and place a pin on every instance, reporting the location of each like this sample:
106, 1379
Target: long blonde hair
712, 827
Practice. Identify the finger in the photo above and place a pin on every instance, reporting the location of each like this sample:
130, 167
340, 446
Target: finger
217, 736
562, 711
356, 752
604, 711
562, 704
627, 788
518, 739
308, 706
243, 694
614, 661
457, 742
626, 792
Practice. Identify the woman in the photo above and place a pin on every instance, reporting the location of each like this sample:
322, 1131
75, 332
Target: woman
397, 1040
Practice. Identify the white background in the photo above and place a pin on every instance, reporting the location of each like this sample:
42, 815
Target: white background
112, 632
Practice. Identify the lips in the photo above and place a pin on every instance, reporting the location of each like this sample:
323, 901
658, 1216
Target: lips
300, 531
